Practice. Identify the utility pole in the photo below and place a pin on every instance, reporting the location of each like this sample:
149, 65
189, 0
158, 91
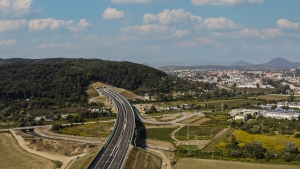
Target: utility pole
188, 129
222, 105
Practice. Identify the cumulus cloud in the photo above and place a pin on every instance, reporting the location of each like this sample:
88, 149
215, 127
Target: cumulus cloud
112, 13
225, 2
148, 29
130, 1
49, 23
181, 33
80, 26
8, 25
171, 16
249, 33
219, 23
52, 24
284, 23
156, 30
16, 8
9, 42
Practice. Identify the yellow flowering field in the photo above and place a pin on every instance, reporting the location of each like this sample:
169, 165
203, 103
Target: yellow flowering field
276, 142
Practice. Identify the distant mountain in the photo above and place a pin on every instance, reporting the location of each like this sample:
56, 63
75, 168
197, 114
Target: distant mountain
277, 64
241, 63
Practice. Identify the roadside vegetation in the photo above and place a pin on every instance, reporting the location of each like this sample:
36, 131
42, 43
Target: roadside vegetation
87, 130
141, 159
83, 162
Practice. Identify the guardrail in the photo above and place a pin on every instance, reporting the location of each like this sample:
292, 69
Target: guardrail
91, 165
133, 117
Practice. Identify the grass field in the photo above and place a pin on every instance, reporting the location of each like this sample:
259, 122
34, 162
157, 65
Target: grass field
254, 90
83, 162
89, 130
276, 142
198, 133
275, 97
191, 119
188, 163
162, 134
91, 92
230, 103
12, 156
212, 145
140, 159
128, 94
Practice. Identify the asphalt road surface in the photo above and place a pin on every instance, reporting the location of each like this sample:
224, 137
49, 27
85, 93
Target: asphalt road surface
112, 155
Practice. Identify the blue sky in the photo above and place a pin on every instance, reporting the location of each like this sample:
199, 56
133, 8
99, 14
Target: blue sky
156, 32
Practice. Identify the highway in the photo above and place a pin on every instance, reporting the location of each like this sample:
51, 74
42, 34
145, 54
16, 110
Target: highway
113, 153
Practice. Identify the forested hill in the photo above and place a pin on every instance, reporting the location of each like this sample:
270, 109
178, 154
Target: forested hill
57, 81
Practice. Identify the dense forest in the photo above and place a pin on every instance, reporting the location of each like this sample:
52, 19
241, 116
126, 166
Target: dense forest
58, 81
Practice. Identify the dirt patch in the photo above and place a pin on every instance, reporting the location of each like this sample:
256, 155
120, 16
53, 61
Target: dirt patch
188, 112
60, 147
158, 144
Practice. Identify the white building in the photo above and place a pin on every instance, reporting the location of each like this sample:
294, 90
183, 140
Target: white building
281, 115
240, 117
290, 104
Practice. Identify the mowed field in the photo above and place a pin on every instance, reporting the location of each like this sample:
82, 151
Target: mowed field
198, 133
188, 163
140, 159
276, 97
162, 134
12, 156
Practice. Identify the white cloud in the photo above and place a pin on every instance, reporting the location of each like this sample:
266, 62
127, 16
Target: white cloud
148, 29
196, 42
49, 23
219, 23
130, 1
249, 33
225, 2
7, 25
80, 26
52, 24
58, 45
156, 30
112, 13
16, 8
181, 33
284, 23
9, 42
171, 16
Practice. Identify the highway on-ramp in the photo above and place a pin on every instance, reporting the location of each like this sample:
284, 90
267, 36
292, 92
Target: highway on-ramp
113, 153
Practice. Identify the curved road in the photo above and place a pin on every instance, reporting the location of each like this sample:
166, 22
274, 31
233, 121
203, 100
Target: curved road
112, 155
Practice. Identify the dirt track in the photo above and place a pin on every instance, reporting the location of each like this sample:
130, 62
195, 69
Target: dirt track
52, 149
